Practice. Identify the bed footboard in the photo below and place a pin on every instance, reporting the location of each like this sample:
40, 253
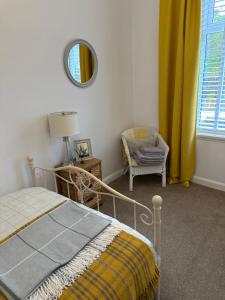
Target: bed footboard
83, 183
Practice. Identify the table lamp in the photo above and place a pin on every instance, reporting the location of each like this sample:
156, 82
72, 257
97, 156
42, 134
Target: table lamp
63, 125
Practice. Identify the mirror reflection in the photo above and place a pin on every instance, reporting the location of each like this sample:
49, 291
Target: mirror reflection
80, 63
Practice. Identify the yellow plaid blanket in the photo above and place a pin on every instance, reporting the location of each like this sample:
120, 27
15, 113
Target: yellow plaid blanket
126, 270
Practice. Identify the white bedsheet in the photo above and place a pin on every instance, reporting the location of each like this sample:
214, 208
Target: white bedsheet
19, 208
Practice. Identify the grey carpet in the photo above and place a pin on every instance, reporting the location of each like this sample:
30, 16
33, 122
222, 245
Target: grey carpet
193, 236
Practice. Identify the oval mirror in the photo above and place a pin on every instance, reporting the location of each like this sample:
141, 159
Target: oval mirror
80, 63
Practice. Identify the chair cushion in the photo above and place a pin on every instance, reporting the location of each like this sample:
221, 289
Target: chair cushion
138, 133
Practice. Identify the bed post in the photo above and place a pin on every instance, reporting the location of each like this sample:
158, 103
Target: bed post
32, 169
157, 205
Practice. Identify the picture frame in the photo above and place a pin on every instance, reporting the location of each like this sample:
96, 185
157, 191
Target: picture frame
83, 149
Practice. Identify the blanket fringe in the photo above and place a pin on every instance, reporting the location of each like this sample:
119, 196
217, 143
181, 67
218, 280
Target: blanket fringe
52, 288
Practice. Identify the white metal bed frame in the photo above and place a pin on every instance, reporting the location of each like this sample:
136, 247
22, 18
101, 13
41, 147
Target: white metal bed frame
83, 183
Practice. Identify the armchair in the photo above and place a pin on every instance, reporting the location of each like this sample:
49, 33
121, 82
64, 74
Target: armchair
135, 169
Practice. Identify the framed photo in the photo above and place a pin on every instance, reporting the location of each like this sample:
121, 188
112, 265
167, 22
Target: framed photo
83, 149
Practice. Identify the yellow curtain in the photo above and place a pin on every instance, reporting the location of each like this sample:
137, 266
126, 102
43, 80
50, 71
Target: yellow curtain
86, 63
179, 39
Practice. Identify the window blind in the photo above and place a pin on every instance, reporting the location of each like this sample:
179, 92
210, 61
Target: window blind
211, 93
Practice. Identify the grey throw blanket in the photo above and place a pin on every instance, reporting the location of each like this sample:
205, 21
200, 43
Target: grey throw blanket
149, 156
29, 257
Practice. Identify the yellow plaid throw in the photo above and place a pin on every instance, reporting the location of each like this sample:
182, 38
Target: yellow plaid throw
125, 271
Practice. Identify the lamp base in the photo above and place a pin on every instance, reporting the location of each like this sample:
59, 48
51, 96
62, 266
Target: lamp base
68, 158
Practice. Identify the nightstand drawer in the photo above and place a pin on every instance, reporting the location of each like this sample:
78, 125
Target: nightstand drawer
93, 166
96, 171
92, 202
94, 186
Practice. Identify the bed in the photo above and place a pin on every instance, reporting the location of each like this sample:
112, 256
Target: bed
54, 248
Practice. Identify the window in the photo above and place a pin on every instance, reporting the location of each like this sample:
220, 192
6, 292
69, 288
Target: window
211, 93
74, 62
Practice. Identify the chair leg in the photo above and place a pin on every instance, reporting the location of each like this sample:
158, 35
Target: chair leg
131, 182
164, 178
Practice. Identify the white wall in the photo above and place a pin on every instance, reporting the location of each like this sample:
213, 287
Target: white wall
33, 82
145, 61
210, 168
210, 165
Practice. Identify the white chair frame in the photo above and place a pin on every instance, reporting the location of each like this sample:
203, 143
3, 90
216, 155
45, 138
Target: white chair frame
135, 169
83, 183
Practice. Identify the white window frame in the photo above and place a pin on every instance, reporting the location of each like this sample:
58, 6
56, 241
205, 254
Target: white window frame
211, 27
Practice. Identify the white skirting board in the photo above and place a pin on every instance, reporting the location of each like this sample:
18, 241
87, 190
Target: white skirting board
209, 183
196, 179
113, 176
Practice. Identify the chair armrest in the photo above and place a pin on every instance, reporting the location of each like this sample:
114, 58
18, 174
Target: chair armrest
162, 144
126, 148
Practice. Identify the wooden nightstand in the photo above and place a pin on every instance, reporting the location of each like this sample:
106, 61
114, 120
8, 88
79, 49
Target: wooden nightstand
90, 199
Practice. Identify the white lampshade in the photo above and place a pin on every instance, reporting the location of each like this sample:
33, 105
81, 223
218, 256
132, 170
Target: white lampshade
63, 124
